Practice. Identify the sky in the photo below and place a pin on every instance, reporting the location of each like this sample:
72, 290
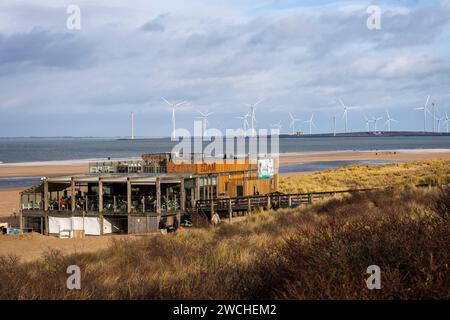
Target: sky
218, 56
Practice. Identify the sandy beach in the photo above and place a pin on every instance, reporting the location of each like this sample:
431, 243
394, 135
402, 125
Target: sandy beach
29, 247
42, 169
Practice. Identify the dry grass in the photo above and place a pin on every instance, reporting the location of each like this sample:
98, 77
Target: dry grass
318, 252
435, 172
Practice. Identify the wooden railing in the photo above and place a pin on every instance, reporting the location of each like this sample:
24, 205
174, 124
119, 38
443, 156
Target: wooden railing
250, 203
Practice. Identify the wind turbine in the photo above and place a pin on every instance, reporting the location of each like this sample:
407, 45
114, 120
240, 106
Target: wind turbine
375, 120
425, 110
244, 120
368, 121
293, 121
334, 125
132, 125
204, 118
446, 120
345, 114
439, 123
311, 123
252, 115
389, 120
173, 106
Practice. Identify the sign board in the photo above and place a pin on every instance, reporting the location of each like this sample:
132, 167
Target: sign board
266, 168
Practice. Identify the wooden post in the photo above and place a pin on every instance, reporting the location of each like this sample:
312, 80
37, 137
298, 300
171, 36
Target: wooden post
46, 224
212, 206
230, 211
310, 198
72, 190
182, 195
128, 195
289, 201
45, 195
100, 204
158, 196
197, 189
21, 224
268, 202
100, 195
249, 205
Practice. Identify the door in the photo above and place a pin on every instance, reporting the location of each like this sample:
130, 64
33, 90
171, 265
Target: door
239, 191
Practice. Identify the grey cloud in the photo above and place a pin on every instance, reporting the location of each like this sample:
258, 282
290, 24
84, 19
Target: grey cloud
43, 48
155, 25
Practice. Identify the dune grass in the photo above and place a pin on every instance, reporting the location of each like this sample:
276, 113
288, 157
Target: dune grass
434, 172
315, 252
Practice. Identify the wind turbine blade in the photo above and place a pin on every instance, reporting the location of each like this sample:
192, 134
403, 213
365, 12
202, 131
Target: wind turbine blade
261, 100
342, 103
166, 101
426, 103
180, 103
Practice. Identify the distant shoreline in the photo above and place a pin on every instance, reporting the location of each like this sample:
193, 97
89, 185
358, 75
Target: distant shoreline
282, 154
354, 134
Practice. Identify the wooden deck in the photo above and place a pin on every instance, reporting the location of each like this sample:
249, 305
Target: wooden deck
271, 201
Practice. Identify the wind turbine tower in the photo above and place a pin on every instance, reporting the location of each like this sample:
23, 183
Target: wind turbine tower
334, 125
204, 118
375, 120
132, 125
389, 120
252, 115
425, 110
368, 121
446, 120
244, 120
173, 107
293, 121
311, 123
345, 114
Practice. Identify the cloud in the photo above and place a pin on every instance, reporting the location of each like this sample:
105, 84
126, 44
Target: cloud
45, 49
299, 57
156, 24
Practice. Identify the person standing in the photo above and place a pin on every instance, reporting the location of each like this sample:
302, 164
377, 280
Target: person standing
215, 219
